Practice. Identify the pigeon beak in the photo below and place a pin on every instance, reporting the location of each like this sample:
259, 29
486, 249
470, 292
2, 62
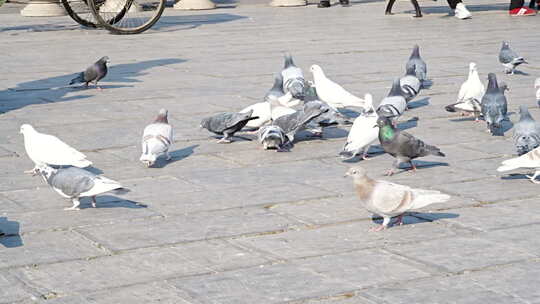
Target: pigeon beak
375, 126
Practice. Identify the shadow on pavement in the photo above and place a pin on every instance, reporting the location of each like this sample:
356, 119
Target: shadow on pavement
9, 233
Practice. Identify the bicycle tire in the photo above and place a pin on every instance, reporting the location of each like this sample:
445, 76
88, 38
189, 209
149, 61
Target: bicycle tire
116, 26
71, 10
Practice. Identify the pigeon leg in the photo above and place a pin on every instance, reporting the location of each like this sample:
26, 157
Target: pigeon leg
33, 171
533, 177
399, 221
225, 139
168, 156
413, 167
94, 203
76, 204
383, 226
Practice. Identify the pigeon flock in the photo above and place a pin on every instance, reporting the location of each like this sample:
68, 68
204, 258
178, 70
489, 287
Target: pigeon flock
294, 104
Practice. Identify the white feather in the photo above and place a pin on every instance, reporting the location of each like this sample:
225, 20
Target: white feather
260, 109
48, 149
363, 133
332, 93
471, 89
537, 87
527, 160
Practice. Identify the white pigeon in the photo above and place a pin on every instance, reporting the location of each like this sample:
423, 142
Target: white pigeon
47, 149
157, 139
537, 87
470, 94
527, 160
363, 133
74, 183
388, 199
266, 111
332, 93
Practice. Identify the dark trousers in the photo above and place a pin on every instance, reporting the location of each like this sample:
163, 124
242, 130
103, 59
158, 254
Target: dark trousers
520, 3
453, 3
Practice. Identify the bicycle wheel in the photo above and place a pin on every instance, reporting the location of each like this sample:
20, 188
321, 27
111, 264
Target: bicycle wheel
79, 11
127, 16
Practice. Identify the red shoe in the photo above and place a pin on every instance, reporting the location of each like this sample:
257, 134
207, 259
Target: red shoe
523, 11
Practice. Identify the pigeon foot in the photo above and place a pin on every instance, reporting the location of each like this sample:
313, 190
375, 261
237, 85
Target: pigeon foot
72, 208
94, 203
224, 141
399, 221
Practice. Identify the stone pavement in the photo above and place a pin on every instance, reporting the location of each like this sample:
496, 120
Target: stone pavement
236, 224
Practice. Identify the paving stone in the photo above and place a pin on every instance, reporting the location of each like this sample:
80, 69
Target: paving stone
269, 284
454, 289
12, 290
462, 253
190, 227
47, 247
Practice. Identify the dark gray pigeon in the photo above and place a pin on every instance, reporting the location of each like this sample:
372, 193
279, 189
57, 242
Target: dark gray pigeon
410, 84
276, 92
416, 62
526, 132
272, 137
227, 124
509, 59
93, 73
293, 79
494, 106
394, 104
297, 121
402, 145
74, 183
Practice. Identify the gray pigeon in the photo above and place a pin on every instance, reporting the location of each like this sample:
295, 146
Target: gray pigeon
74, 183
293, 79
394, 104
227, 124
297, 121
494, 106
402, 145
276, 91
157, 139
416, 62
329, 117
272, 137
410, 84
509, 59
526, 132
93, 73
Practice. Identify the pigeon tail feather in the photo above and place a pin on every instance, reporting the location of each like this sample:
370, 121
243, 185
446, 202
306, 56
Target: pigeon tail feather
428, 197
82, 163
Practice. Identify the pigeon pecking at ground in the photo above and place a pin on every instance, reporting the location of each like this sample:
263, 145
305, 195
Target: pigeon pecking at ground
402, 145
157, 139
526, 132
293, 78
494, 106
388, 199
418, 64
272, 137
362, 134
332, 93
74, 183
227, 124
93, 73
509, 59
410, 84
470, 95
295, 122
393, 105
49, 150
527, 160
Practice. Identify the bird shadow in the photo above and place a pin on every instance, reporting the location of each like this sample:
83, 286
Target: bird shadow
110, 201
427, 84
518, 72
176, 155
9, 233
516, 176
418, 103
412, 218
408, 124
55, 89
181, 22
420, 164
371, 154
